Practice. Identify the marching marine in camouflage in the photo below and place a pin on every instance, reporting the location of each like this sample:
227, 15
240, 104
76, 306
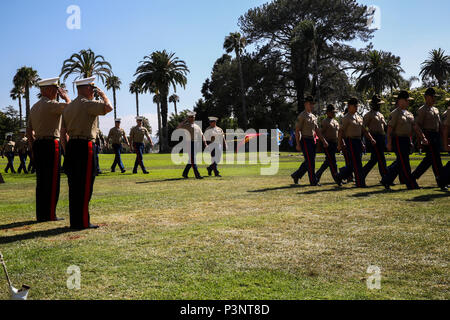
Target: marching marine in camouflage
22, 151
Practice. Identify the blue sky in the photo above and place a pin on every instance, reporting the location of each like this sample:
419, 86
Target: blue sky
34, 33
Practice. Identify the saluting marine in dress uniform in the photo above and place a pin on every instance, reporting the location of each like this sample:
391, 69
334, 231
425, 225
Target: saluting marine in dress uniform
43, 132
330, 130
306, 128
429, 121
8, 150
193, 139
115, 137
137, 139
352, 129
80, 124
217, 145
376, 124
22, 151
400, 127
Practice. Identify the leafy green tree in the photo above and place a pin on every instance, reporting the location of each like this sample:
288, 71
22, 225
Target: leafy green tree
86, 64
162, 70
284, 24
380, 71
113, 83
174, 99
137, 90
9, 122
436, 67
26, 78
234, 42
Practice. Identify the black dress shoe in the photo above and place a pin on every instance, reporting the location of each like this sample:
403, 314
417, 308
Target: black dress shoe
386, 185
123, 171
218, 176
185, 176
199, 177
295, 179
113, 170
93, 226
146, 172
134, 172
59, 219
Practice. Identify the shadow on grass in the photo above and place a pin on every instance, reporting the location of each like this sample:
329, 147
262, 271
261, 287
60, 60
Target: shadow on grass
35, 234
18, 225
310, 192
430, 197
383, 191
165, 180
292, 186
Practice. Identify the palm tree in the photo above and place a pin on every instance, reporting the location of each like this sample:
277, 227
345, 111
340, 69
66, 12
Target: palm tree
235, 42
25, 78
17, 94
157, 101
136, 89
174, 99
114, 83
161, 70
86, 64
380, 71
437, 67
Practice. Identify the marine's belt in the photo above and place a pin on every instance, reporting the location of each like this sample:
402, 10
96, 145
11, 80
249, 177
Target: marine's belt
47, 138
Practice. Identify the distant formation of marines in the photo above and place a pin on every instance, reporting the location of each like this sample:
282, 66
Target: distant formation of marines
71, 128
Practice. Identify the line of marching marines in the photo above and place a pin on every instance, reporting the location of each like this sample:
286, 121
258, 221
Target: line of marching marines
71, 127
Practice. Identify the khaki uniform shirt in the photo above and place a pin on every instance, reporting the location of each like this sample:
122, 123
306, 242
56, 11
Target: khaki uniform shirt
215, 134
402, 122
352, 125
195, 132
307, 124
80, 118
428, 118
45, 118
375, 121
137, 134
330, 129
9, 146
22, 145
116, 135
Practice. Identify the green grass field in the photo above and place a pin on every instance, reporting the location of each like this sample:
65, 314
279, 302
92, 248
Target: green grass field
243, 236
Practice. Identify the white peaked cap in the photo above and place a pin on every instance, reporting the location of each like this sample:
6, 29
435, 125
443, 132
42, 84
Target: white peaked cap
191, 114
48, 82
23, 130
85, 82
211, 119
8, 134
118, 120
140, 118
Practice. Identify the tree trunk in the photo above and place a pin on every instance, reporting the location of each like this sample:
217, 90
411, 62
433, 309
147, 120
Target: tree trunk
165, 131
137, 104
27, 102
159, 126
20, 111
175, 105
241, 79
115, 109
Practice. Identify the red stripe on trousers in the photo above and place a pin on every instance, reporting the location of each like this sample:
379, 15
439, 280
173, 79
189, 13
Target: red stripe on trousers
87, 187
309, 162
355, 166
54, 181
408, 177
330, 161
380, 163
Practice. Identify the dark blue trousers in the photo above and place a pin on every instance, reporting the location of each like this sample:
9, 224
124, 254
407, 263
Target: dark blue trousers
97, 161
330, 161
377, 155
139, 149
192, 163
402, 167
309, 164
354, 151
118, 159
23, 163
10, 164
432, 158
47, 156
